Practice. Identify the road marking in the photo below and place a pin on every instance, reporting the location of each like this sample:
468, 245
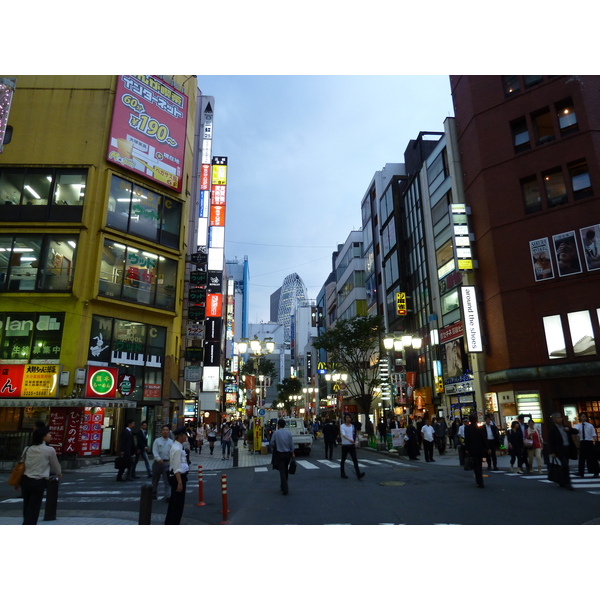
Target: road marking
330, 464
370, 462
260, 469
398, 463
306, 464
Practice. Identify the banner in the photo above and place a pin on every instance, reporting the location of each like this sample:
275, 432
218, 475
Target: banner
91, 431
258, 433
148, 129
540, 257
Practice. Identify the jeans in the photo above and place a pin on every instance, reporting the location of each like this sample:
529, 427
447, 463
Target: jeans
33, 494
144, 455
226, 444
161, 471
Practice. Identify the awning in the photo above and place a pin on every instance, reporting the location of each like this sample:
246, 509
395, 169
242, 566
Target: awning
175, 392
68, 402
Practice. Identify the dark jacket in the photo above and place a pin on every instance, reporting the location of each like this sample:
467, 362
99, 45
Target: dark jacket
127, 444
475, 440
495, 444
329, 432
515, 439
141, 440
556, 444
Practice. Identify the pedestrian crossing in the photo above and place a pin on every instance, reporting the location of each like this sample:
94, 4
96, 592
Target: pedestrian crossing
586, 484
310, 465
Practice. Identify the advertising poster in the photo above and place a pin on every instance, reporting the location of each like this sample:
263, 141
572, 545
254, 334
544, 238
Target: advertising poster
11, 378
258, 433
148, 129
589, 241
398, 436
40, 381
540, 258
454, 358
57, 422
567, 254
91, 431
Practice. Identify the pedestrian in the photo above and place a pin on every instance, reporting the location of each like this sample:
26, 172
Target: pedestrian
236, 433
178, 475
535, 446
515, 446
419, 425
161, 449
199, 438
410, 441
315, 428
476, 447
211, 436
142, 449
454, 433
493, 443
369, 428
329, 436
524, 458
126, 452
382, 429
427, 436
348, 435
587, 450
226, 440
559, 446
441, 429
461, 441
40, 460
283, 450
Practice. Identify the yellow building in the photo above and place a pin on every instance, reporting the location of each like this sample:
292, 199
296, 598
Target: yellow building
95, 185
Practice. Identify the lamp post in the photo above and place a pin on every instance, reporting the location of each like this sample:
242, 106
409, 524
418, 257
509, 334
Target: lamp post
308, 392
259, 348
337, 377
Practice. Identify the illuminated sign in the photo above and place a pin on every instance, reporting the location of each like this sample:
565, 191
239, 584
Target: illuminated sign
148, 129
401, 303
471, 319
101, 382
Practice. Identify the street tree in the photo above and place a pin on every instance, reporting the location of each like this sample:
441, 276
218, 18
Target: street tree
352, 346
288, 387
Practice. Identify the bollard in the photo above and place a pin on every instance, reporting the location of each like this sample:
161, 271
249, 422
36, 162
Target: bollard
145, 517
235, 456
224, 499
51, 499
200, 488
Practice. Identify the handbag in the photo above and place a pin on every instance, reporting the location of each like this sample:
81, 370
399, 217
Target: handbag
469, 464
554, 470
292, 466
16, 475
528, 443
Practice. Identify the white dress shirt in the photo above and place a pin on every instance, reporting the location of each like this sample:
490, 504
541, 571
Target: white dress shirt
590, 431
161, 448
178, 459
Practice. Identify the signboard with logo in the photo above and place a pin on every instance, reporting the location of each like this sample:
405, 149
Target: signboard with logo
101, 382
194, 354
401, 303
471, 319
214, 305
148, 130
91, 431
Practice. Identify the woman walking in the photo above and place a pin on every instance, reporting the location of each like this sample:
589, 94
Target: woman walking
211, 436
226, 440
199, 437
534, 446
40, 460
515, 446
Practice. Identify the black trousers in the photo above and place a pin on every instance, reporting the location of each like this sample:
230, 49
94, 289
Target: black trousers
127, 464
491, 459
587, 455
329, 446
478, 469
177, 500
281, 461
33, 494
351, 450
428, 450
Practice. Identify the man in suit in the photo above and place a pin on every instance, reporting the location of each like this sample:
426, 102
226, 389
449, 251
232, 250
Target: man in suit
330, 434
126, 451
493, 442
476, 447
587, 451
559, 441
141, 438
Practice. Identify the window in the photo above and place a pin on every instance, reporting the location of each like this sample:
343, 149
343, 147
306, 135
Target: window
142, 212
555, 339
580, 179
542, 124
45, 194
531, 194
582, 334
450, 302
554, 184
130, 274
437, 171
531, 80
567, 119
511, 84
34, 263
520, 135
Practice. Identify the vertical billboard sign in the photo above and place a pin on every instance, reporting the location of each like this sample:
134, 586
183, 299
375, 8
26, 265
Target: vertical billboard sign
7, 90
148, 129
471, 319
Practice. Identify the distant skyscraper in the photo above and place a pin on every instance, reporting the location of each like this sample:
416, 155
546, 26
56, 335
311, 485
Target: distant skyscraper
293, 292
274, 313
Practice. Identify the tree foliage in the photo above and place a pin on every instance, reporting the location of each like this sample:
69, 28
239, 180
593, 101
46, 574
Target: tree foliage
352, 347
288, 387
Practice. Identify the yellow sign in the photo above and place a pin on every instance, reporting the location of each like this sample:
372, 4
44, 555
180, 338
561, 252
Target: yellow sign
40, 381
401, 303
465, 265
258, 433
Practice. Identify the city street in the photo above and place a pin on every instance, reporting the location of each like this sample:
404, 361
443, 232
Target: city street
395, 491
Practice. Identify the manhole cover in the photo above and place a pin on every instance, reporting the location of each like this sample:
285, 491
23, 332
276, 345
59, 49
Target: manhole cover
392, 483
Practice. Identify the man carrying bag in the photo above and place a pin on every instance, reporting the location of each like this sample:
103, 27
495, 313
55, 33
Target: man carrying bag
282, 447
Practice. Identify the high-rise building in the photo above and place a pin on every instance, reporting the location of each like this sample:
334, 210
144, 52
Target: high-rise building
529, 150
293, 293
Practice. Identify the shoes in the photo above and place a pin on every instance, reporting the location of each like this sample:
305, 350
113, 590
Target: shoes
361, 475
134, 477
344, 476
519, 471
432, 460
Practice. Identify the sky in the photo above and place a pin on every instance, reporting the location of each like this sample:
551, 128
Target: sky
302, 151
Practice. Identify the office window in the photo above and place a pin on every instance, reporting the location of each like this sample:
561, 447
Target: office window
580, 179
42, 194
511, 84
582, 333
554, 184
531, 80
450, 302
34, 263
542, 124
520, 135
531, 194
567, 119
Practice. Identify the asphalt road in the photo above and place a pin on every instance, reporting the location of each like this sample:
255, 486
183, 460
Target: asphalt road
394, 491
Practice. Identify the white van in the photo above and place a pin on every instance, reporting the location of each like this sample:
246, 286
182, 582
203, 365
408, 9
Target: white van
301, 436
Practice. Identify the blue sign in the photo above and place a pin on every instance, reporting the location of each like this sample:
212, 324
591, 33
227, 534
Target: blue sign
262, 412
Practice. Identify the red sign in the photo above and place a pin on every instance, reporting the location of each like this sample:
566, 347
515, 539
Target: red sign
350, 408
101, 382
148, 130
152, 390
90, 437
214, 305
217, 215
451, 332
218, 194
56, 423
205, 178
411, 382
11, 379
72, 438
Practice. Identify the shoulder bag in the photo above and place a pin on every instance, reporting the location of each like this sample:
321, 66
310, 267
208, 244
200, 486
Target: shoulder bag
292, 466
16, 475
527, 442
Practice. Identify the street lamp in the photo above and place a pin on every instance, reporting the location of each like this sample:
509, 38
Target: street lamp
259, 348
399, 343
308, 392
